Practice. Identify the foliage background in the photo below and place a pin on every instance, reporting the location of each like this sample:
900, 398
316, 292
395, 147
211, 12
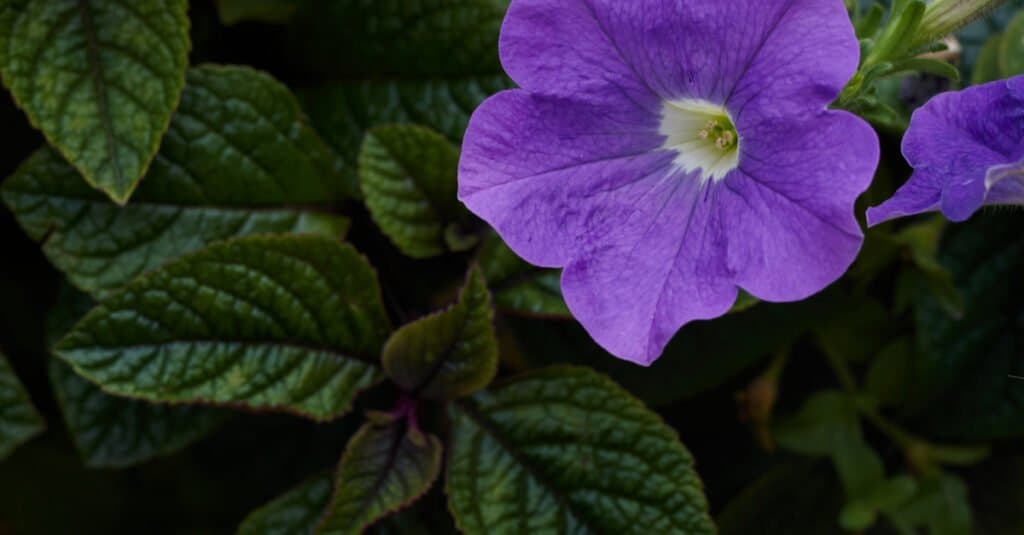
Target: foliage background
762, 450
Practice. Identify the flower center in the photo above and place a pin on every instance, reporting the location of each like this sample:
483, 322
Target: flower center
703, 136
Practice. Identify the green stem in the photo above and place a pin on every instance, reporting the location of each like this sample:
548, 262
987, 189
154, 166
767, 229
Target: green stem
920, 453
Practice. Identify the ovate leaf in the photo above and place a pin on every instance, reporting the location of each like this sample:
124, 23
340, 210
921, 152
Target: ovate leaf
295, 512
565, 450
966, 367
519, 287
239, 159
408, 177
449, 354
111, 431
386, 466
290, 323
19, 420
100, 78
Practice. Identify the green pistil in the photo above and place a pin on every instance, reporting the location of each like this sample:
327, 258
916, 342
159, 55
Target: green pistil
721, 132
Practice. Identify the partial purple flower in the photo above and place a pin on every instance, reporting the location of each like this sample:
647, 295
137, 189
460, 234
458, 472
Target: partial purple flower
967, 151
667, 152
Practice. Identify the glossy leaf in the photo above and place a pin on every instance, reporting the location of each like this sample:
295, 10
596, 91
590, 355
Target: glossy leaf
408, 177
519, 287
19, 420
295, 512
238, 159
565, 450
966, 367
449, 354
386, 466
99, 78
291, 323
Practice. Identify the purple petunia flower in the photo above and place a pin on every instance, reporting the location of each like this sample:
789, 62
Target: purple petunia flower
667, 152
967, 150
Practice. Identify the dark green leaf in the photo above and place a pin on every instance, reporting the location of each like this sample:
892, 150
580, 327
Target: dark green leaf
793, 498
295, 512
857, 332
891, 371
408, 177
940, 504
232, 12
111, 431
343, 111
565, 450
977, 34
400, 38
290, 323
965, 367
99, 78
449, 354
987, 68
386, 466
19, 420
238, 159
519, 287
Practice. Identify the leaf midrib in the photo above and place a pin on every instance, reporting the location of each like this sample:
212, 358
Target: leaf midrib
99, 85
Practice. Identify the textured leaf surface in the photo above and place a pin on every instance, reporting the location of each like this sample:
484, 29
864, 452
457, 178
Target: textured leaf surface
271, 11
291, 323
408, 176
519, 287
967, 366
100, 78
293, 513
19, 420
111, 431
565, 450
239, 159
386, 466
449, 354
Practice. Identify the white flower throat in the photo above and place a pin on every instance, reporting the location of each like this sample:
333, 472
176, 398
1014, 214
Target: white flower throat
703, 136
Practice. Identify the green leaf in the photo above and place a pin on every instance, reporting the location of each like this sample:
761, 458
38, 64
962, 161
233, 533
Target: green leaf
99, 78
386, 466
965, 368
295, 512
19, 420
1011, 48
408, 176
399, 38
111, 431
565, 450
857, 332
291, 323
987, 68
232, 12
520, 287
343, 111
238, 159
977, 34
449, 354
940, 504
796, 497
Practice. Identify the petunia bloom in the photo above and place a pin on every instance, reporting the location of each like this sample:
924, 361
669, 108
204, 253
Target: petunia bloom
967, 151
667, 152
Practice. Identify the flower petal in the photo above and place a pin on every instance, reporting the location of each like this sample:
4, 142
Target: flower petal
952, 142
661, 266
676, 49
536, 168
790, 208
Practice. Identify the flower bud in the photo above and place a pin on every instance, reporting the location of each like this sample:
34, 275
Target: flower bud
944, 17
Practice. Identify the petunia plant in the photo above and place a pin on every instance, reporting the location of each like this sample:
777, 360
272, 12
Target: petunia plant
483, 266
